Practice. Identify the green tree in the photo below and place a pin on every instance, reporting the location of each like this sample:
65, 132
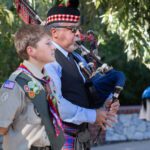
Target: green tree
8, 24
130, 20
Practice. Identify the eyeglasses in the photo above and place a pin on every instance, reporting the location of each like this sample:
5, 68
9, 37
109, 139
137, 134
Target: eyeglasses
72, 28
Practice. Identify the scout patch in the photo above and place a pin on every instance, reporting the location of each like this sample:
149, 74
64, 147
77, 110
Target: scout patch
32, 89
31, 94
26, 88
9, 84
54, 100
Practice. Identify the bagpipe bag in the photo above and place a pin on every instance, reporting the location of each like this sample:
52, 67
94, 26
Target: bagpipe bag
101, 86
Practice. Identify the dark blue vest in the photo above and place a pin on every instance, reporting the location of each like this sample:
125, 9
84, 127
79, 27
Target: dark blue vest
73, 88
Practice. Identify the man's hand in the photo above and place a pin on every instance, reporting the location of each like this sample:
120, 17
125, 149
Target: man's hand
104, 118
113, 107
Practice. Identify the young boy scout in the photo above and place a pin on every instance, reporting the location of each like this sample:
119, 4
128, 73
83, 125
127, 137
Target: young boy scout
28, 117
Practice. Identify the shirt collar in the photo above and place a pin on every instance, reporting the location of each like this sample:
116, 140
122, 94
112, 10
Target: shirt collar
60, 49
33, 69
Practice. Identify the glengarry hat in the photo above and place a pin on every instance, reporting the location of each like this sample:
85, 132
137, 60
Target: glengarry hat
62, 13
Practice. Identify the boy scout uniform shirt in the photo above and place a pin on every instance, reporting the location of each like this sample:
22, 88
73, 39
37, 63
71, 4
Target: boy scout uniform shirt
17, 113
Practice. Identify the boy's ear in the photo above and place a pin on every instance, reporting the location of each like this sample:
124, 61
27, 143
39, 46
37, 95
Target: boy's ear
30, 51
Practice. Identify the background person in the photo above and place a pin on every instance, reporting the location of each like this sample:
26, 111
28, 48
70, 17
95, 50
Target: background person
145, 108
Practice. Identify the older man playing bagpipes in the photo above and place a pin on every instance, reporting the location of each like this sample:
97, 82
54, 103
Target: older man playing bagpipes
73, 89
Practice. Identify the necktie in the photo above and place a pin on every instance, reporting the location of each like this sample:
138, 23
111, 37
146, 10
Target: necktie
72, 61
70, 58
74, 66
53, 105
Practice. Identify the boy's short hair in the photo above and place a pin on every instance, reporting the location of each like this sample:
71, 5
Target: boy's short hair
28, 35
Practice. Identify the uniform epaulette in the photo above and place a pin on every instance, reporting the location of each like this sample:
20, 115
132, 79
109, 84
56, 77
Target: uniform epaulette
14, 75
10, 82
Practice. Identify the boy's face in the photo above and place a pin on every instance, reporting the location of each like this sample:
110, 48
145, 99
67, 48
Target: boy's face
44, 51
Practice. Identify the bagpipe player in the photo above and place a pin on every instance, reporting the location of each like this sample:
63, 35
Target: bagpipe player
63, 24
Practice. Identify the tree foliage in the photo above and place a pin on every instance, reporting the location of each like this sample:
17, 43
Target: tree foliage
8, 23
128, 19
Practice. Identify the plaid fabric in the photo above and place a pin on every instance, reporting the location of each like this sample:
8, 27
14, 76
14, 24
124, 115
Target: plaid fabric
24, 11
63, 17
69, 140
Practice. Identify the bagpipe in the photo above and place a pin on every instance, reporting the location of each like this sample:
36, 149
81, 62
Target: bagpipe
101, 79
27, 13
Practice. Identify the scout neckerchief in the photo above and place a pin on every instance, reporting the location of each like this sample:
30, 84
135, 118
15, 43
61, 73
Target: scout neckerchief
32, 89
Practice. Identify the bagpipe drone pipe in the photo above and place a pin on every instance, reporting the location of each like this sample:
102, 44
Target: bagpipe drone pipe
27, 13
103, 81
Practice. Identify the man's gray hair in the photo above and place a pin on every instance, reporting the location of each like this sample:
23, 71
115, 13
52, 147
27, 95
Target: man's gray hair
53, 25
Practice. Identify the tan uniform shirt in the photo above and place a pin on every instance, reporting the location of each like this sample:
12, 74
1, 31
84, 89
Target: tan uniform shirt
17, 113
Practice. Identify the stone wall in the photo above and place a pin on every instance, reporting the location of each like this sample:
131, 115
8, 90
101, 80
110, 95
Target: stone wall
128, 128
